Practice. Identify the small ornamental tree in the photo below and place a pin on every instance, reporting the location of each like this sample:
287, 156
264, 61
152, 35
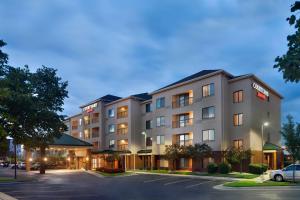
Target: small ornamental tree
172, 154
111, 158
237, 156
291, 135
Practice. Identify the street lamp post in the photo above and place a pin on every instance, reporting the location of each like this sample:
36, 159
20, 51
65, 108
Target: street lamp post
145, 134
262, 143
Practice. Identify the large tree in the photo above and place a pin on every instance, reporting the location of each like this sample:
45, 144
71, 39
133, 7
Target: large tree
291, 134
235, 155
30, 103
289, 63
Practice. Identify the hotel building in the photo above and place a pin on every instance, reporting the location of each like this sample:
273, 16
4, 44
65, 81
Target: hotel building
211, 106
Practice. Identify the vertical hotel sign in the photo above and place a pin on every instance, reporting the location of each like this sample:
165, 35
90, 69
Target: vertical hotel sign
260, 91
90, 108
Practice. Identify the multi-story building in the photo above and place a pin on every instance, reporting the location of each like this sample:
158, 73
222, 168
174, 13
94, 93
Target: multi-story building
211, 106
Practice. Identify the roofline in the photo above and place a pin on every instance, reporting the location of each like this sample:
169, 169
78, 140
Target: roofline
124, 99
69, 146
72, 116
258, 80
221, 71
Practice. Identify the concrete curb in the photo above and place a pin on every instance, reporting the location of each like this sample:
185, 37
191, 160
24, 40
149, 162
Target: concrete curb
269, 188
101, 176
194, 176
94, 174
6, 197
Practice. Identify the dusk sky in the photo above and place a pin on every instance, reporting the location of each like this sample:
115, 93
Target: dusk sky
127, 47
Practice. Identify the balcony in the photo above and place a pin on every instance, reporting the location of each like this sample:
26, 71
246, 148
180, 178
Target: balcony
122, 112
182, 123
74, 127
95, 120
122, 131
122, 147
184, 142
182, 102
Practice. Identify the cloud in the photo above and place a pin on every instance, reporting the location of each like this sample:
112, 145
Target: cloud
126, 47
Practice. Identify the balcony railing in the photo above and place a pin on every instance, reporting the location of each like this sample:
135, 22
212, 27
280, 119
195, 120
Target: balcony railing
122, 114
95, 120
182, 123
184, 142
182, 102
74, 127
95, 134
122, 131
122, 147
86, 122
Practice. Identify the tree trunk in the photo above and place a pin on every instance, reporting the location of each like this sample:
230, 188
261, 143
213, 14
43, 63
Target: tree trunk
42, 161
15, 149
241, 166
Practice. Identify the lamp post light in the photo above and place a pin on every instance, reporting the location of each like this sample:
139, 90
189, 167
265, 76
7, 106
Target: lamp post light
265, 124
145, 134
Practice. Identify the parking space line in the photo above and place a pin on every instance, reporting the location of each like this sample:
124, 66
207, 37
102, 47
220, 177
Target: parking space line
158, 179
190, 186
174, 182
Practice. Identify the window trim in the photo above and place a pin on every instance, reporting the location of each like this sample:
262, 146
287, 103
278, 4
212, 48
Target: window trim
214, 131
160, 121
159, 100
209, 85
160, 143
238, 114
208, 108
238, 101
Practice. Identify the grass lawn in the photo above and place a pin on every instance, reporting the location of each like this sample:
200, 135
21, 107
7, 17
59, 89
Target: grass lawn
6, 179
113, 174
231, 175
255, 184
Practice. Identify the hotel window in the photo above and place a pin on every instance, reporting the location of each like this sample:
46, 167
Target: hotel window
111, 143
208, 90
160, 102
208, 135
160, 139
111, 112
149, 124
183, 140
238, 119
238, 96
208, 112
148, 107
238, 143
94, 163
111, 128
160, 121
149, 141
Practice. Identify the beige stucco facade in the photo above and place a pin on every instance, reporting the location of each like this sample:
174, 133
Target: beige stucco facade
185, 111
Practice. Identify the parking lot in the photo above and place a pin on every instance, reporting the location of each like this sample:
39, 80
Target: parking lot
81, 185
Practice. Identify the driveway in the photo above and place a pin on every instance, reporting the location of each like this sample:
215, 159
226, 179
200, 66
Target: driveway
81, 185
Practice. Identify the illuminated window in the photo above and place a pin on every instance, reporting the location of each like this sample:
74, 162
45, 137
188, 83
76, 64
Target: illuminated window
208, 135
238, 96
111, 128
238, 119
208, 112
160, 102
183, 140
111, 112
149, 141
160, 121
160, 139
208, 90
111, 143
238, 143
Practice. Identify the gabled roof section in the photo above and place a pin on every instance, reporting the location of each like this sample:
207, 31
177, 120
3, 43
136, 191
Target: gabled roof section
191, 77
143, 96
106, 99
68, 140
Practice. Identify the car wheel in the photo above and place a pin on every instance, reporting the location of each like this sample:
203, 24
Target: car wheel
278, 178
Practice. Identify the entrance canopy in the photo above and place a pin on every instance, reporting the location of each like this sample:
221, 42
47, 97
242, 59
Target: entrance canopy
67, 141
270, 147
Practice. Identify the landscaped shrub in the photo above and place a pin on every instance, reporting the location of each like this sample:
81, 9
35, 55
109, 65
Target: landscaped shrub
224, 168
109, 170
257, 168
212, 168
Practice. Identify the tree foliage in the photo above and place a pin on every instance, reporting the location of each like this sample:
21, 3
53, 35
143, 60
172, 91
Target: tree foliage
289, 63
235, 155
291, 135
30, 105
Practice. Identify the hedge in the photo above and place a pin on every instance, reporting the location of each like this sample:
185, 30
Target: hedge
224, 168
212, 168
257, 168
109, 170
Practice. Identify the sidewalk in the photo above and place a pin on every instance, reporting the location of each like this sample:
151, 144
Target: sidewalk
213, 178
6, 197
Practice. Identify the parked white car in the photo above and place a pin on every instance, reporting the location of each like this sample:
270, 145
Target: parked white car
286, 173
